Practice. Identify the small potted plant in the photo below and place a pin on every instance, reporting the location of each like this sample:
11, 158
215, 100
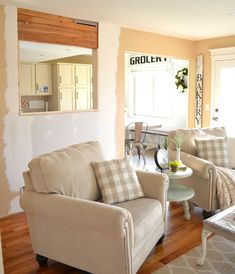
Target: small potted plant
174, 165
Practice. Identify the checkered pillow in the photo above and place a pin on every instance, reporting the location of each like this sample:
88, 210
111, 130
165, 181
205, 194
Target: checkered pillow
214, 150
117, 180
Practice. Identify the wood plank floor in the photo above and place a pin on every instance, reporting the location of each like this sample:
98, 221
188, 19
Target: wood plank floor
18, 257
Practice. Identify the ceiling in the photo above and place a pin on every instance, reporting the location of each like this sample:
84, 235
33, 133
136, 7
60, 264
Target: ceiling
31, 52
188, 19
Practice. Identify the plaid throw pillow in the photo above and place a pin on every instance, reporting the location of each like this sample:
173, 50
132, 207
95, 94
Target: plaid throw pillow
117, 180
214, 150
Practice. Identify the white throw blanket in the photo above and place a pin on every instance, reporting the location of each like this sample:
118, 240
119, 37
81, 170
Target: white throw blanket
225, 186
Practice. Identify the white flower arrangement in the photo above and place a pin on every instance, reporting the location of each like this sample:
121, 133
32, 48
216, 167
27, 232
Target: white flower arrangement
180, 82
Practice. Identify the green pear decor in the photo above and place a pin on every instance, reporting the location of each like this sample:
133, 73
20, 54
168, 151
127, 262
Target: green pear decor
174, 165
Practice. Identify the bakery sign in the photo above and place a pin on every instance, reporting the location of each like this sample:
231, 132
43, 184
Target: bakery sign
199, 91
147, 59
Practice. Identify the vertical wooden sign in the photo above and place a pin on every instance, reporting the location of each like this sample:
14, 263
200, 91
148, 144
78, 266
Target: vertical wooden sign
199, 91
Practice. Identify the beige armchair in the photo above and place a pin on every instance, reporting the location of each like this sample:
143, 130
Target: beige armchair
69, 224
204, 172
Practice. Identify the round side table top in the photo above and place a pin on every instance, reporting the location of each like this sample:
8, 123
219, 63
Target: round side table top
179, 174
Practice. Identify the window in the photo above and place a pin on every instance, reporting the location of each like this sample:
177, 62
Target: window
55, 50
151, 92
149, 86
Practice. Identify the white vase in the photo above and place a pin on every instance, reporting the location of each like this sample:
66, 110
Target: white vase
177, 155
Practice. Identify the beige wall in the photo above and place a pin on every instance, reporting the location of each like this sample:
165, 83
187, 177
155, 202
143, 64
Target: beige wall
5, 194
202, 47
145, 42
24, 137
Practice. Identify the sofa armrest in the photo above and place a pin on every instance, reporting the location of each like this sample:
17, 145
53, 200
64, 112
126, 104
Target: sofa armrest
200, 167
80, 214
231, 152
154, 185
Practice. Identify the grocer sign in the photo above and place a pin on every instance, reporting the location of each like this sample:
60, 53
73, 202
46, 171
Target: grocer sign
146, 59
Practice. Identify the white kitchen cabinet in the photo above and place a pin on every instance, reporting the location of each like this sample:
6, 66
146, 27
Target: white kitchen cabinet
65, 81
66, 75
35, 79
82, 99
83, 75
27, 79
43, 79
67, 98
73, 85
83, 81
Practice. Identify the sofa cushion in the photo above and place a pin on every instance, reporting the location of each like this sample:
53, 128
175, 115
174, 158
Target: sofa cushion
117, 180
215, 131
146, 214
214, 150
67, 171
189, 134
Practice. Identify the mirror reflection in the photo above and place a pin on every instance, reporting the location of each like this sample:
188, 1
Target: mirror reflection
55, 77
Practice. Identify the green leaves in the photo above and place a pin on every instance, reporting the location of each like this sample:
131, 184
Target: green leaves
180, 79
178, 139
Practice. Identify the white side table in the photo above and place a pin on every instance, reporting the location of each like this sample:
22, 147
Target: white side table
178, 192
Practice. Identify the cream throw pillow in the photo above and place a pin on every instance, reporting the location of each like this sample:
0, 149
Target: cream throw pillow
214, 150
117, 180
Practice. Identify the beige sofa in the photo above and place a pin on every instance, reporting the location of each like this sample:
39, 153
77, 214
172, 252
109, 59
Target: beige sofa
68, 223
204, 172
